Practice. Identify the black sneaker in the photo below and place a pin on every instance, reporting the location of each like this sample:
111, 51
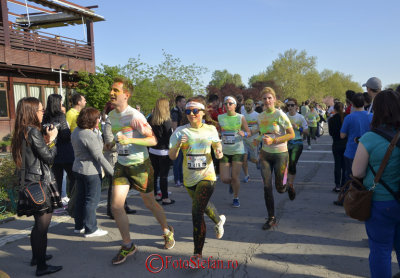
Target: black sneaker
271, 222
291, 192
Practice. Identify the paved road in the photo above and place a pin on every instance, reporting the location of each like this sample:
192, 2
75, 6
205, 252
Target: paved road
313, 238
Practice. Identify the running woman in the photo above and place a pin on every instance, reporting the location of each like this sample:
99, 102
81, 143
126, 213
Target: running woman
295, 146
133, 169
232, 125
195, 140
312, 121
275, 131
251, 152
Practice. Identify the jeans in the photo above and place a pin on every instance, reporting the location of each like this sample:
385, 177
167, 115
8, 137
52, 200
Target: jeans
161, 165
88, 190
338, 156
178, 172
383, 230
348, 162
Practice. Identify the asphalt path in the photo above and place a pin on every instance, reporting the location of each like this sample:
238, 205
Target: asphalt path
313, 237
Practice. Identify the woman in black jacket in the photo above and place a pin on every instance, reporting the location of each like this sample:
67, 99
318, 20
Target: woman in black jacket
338, 145
160, 122
65, 153
40, 152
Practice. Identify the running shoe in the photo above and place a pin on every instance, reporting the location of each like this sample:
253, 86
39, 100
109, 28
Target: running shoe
291, 192
236, 203
219, 228
169, 241
271, 222
246, 179
98, 232
123, 253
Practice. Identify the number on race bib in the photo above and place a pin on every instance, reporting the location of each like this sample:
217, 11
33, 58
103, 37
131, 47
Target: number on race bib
196, 161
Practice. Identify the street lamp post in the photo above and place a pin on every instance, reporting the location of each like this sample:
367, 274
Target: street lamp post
61, 71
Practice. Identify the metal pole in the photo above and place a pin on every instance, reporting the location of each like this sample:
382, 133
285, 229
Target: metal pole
60, 82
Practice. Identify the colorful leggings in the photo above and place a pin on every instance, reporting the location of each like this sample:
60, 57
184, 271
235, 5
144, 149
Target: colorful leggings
201, 194
276, 162
295, 151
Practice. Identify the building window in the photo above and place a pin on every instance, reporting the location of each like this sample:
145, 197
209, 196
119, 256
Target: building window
3, 101
20, 91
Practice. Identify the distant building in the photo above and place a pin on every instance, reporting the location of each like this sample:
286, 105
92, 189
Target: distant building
31, 60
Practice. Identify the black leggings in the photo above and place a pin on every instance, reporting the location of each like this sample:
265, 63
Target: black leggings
277, 163
161, 165
58, 171
39, 238
201, 194
311, 134
295, 151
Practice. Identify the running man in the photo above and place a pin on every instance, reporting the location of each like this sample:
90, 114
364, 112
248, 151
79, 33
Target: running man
195, 140
295, 146
133, 169
251, 152
232, 125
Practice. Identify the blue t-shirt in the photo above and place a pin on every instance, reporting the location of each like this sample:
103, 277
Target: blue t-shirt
376, 147
355, 125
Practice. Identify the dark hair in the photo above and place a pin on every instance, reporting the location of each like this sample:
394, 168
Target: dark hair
358, 100
26, 115
178, 99
350, 94
87, 118
339, 109
386, 109
213, 98
77, 97
53, 107
367, 98
291, 99
127, 84
306, 102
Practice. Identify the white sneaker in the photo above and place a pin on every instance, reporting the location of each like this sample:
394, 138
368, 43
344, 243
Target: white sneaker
65, 201
309, 148
81, 231
219, 228
98, 232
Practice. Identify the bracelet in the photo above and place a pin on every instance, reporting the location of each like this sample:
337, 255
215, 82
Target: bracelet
245, 134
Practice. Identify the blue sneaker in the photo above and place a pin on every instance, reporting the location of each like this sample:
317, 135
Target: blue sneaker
236, 203
230, 189
246, 179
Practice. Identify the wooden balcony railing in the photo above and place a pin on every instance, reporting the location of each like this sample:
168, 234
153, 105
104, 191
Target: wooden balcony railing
48, 43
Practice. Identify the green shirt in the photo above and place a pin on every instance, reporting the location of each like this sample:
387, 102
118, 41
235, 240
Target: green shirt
232, 142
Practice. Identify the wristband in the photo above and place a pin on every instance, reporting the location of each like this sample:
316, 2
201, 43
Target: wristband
245, 134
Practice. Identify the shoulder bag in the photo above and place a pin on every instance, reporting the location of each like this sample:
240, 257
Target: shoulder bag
33, 192
358, 199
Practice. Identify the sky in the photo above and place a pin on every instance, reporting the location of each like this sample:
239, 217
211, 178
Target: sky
359, 38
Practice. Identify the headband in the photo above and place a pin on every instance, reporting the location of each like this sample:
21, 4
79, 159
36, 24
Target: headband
230, 98
195, 105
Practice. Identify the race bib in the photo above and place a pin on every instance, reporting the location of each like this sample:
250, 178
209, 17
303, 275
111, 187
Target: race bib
196, 161
228, 138
122, 149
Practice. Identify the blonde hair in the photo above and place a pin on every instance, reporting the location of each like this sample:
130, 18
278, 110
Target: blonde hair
268, 90
161, 112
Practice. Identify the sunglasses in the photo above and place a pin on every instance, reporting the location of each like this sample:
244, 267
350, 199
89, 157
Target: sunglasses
290, 105
195, 111
229, 103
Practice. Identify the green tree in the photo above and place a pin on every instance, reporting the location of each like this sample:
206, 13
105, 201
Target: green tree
393, 86
220, 78
336, 84
96, 87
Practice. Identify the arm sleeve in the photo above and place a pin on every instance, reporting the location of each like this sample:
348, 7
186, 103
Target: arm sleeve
96, 150
345, 125
304, 123
107, 132
64, 133
39, 147
140, 124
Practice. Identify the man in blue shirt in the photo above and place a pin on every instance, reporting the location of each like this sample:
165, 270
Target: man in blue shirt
354, 126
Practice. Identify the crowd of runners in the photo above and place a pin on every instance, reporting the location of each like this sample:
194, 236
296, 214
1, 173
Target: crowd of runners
203, 137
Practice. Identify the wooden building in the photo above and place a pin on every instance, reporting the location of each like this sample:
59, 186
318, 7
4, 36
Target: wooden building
31, 60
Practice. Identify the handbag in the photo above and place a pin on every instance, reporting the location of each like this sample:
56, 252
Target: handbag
33, 192
358, 199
